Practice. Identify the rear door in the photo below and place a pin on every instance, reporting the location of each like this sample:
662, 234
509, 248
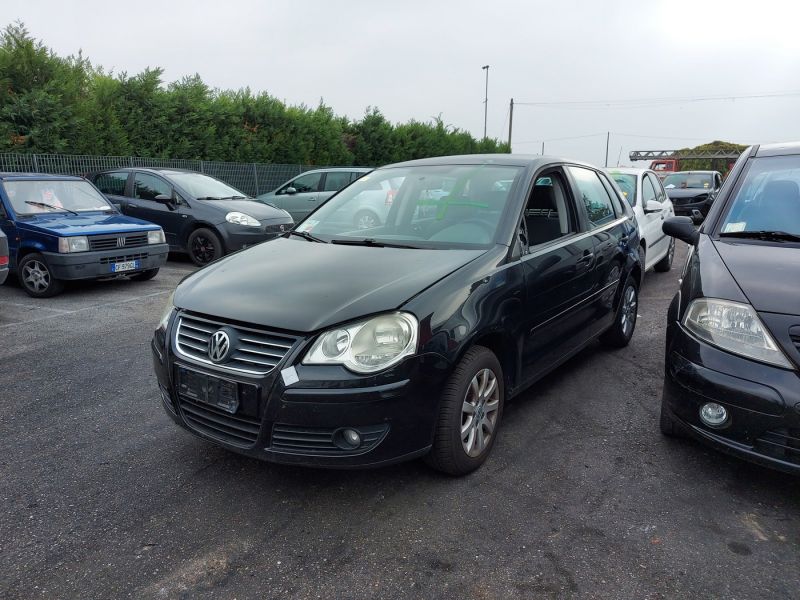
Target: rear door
558, 261
304, 197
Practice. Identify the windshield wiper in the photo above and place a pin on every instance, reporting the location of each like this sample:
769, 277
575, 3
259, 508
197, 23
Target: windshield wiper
233, 198
210, 198
306, 236
767, 236
53, 206
372, 243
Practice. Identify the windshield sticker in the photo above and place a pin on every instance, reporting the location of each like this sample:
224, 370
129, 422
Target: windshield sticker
734, 227
705, 185
308, 225
671, 186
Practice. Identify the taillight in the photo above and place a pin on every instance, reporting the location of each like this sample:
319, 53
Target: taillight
3, 261
389, 198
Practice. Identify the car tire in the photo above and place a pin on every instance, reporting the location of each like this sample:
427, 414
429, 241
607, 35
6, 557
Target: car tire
204, 246
621, 332
477, 382
666, 422
37, 278
665, 264
145, 275
366, 219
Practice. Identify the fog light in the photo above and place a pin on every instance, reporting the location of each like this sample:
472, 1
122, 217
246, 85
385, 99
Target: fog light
713, 414
352, 438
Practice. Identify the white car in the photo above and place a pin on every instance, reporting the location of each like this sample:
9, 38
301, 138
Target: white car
645, 193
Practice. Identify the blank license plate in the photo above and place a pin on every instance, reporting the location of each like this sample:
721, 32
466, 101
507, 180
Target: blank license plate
220, 393
120, 267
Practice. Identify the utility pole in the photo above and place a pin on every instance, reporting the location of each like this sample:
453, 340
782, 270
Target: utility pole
510, 122
485, 100
608, 137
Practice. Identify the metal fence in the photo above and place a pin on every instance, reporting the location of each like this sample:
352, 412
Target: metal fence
251, 178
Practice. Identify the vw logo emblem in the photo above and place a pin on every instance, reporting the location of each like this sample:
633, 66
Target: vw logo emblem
283, 228
218, 346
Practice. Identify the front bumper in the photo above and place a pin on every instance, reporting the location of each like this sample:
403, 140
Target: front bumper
238, 237
301, 424
98, 264
763, 402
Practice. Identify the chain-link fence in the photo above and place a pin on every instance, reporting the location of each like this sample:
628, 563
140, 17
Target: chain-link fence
251, 178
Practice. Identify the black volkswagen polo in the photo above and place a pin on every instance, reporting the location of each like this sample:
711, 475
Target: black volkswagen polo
732, 376
339, 347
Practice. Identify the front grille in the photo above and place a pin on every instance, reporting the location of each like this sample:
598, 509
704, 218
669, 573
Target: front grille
234, 429
795, 340
783, 444
252, 351
278, 229
321, 441
123, 240
106, 260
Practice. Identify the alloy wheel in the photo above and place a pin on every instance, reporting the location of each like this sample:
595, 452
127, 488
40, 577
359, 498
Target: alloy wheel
203, 249
479, 412
36, 276
629, 307
366, 221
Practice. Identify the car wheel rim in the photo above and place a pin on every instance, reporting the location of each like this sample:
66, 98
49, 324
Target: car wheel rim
629, 306
671, 253
366, 222
203, 249
479, 412
36, 276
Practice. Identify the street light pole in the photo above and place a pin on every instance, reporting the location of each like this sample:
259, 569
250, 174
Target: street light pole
485, 100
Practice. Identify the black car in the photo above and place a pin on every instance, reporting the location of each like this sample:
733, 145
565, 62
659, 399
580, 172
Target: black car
3, 257
693, 192
199, 214
342, 347
732, 376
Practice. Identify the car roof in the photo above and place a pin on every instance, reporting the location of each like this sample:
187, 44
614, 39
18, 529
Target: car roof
698, 172
339, 170
781, 149
511, 160
628, 170
39, 177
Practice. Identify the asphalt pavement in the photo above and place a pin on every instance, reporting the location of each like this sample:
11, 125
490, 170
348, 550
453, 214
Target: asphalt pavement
102, 496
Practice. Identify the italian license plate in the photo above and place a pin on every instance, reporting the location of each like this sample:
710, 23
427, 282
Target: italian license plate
120, 267
207, 389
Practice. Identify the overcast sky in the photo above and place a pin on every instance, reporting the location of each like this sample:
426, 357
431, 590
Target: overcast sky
418, 59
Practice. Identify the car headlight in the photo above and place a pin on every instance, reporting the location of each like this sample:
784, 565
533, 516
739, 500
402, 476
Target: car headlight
734, 327
166, 315
239, 218
78, 243
156, 237
367, 346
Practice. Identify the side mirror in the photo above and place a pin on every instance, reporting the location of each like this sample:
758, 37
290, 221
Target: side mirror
163, 198
290, 190
682, 228
653, 206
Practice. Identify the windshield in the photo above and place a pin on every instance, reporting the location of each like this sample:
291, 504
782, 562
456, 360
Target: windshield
693, 181
451, 206
769, 198
627, 183
198, 185
54, 196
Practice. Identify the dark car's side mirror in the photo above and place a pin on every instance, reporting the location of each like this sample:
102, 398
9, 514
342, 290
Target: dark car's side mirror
682, 228
163, 198
290, 190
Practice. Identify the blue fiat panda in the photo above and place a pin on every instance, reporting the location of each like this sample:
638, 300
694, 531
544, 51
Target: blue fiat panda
62, 228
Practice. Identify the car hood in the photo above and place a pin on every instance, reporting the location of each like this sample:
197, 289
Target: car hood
303, 286
687, 192
83, 224
257, 210
767, 274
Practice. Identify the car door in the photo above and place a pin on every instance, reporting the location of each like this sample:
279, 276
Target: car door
299, 196
143, 205
611, 225
651, 220
557, 261
113, 184
9, 227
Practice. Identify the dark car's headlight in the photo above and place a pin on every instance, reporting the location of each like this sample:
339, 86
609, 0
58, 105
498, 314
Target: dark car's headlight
239, 218
734, 327
367, 346
163, 323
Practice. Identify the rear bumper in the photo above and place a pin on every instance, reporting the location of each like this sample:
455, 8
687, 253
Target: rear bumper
3, 275
95, 265
764, 418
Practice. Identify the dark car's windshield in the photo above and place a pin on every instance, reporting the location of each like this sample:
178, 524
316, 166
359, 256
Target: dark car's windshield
450, 206
202, 186
692, 181
768, 199
627, 183
53, 196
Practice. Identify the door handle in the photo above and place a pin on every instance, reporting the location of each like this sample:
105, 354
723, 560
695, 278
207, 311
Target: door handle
586, 258
624, 238
133, 205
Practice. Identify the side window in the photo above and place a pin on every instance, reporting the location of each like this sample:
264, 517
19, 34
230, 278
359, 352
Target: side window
616, 201
661, 195
112, 183
648, 192
594, 196
356, 175
547, 214
304, 183
335, 181
147, 187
